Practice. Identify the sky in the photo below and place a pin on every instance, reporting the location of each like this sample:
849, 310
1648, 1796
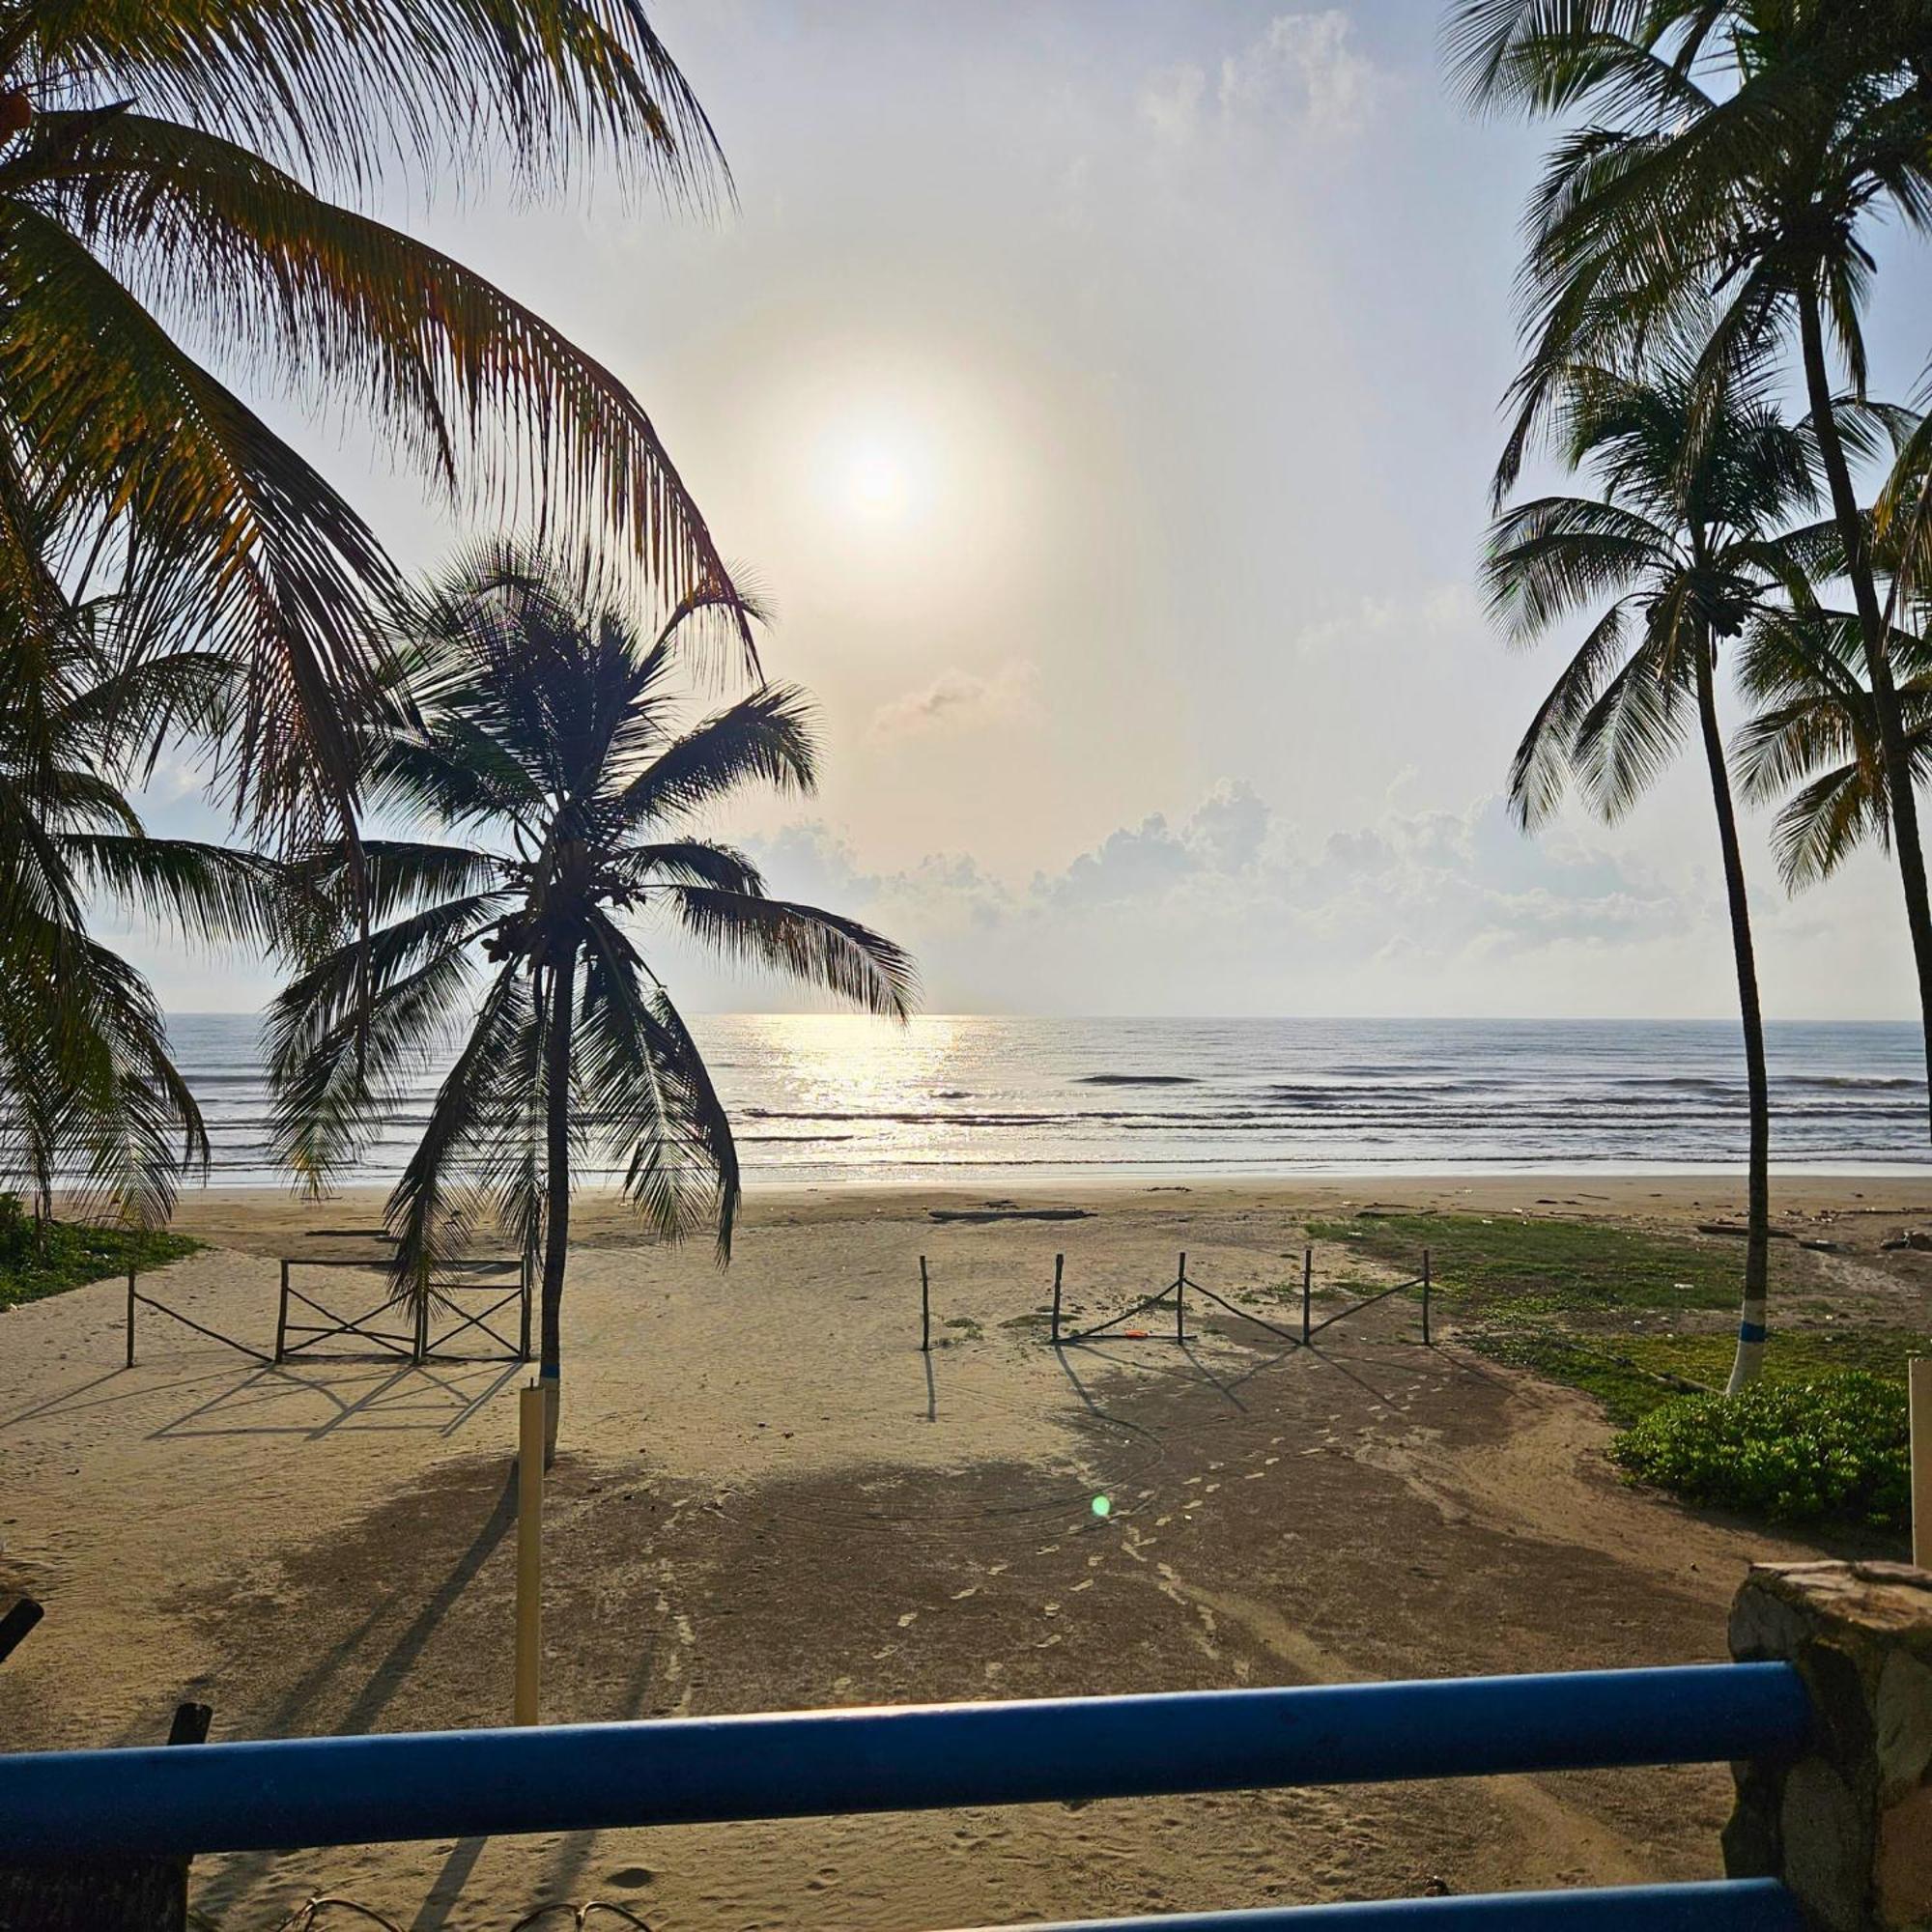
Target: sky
1104, 394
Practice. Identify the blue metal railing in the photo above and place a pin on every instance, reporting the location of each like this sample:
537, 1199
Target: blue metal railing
444, 1784
1737, 1905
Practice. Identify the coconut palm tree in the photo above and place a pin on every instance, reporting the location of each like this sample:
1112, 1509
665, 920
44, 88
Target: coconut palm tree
90, 1100
1681, 544
1763, 186
543, 734
1812, 746
179, 222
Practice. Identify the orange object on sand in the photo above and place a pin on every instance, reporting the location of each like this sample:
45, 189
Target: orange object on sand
1135, 1334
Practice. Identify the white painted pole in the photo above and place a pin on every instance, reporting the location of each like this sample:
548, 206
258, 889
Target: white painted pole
529, 1550
1920, 1385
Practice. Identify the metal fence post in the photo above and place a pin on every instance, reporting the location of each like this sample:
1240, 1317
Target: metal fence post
282, 1317
925, 1309
1426, 1342
1180, 1299
1307, 1290
130, 1318
1059, 1264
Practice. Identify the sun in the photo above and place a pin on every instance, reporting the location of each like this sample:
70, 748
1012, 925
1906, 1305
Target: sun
875, 482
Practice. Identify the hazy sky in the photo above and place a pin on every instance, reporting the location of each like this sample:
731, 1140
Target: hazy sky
1105, 394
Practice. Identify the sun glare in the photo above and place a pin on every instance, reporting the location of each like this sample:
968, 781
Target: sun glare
875, 482
906, 471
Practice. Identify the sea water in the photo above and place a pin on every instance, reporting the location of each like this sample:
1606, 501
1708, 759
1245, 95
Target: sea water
824, 1099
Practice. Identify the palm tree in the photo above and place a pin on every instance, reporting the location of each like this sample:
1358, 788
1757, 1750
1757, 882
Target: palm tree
1762, 189
543, 730
1679, 544
167, 171
1812, 746
90, 1100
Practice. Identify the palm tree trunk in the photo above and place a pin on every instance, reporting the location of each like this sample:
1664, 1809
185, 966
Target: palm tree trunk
1749, 1357
1897, 758
557, 1209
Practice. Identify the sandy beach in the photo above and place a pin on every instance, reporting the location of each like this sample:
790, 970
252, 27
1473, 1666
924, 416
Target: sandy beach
768, 1498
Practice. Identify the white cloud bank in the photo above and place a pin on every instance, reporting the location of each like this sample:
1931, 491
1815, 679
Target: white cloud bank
1231, 908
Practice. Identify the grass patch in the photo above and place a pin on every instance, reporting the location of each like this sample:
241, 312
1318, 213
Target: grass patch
969, 1329
1634, 1376
55, 1256
1819, 1439
1528, 1266
1540, 1295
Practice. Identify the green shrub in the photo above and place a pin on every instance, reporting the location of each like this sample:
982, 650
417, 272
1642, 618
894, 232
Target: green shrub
43, 1257
1834, 1446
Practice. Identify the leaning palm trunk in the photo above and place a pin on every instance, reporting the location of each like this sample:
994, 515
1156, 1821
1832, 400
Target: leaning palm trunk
1749, 1357
1893, 747
557, 1209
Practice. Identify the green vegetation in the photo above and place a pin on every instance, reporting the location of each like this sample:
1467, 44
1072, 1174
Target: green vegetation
51, 1257
1632, 1376
1527, 1265
1820, 1438
1829, 1448
1677, 554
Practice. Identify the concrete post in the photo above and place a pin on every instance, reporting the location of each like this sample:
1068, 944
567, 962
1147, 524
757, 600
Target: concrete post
1848, 1824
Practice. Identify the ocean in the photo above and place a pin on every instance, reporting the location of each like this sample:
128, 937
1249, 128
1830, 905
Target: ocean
829, 1099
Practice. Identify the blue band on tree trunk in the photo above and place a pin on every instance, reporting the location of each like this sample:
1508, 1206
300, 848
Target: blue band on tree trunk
1750, 1332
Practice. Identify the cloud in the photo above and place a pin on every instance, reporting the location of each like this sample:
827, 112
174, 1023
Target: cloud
1233, 909
1301, 71
962, 701
1170, 102
1302, 67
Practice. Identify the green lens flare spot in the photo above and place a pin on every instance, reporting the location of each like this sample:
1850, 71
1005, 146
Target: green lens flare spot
1103, 1506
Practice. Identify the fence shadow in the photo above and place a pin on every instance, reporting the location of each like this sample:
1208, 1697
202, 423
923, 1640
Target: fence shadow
313, 1401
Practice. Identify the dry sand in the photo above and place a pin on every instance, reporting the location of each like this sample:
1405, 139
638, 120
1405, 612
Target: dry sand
768, 1498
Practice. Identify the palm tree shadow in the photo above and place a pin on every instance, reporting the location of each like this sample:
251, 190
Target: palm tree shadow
446, 1888
241, 1874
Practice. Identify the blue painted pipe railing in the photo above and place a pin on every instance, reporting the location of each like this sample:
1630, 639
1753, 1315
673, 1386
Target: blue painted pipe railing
452, 1784
1734, 1905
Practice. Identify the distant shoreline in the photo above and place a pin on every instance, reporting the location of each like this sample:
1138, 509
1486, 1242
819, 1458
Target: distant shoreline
269, 1221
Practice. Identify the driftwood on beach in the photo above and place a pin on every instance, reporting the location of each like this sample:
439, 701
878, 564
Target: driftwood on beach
1009, 1213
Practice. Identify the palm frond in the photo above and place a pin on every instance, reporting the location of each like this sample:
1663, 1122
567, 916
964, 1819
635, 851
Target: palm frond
434, 1206
473, 387
340, 86
1632, 731
763, 739
648, 1090
818, 949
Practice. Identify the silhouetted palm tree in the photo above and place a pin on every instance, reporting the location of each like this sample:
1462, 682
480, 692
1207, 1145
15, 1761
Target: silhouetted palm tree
1681, 544
1761, 188
165, 175
546, 733
90, 1098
